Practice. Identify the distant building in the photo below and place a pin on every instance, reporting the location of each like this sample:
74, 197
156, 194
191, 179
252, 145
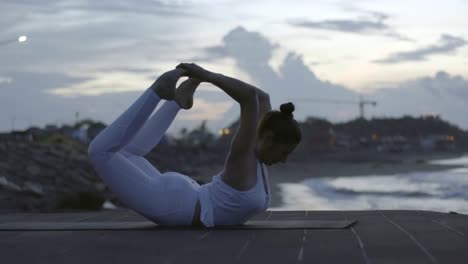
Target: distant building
81, 133
437, 142
317, 136
393, 144
343, 141
67, 131
93, 131
17, 135
51, 128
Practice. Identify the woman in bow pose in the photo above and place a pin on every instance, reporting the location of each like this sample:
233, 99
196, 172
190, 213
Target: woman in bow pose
235, 194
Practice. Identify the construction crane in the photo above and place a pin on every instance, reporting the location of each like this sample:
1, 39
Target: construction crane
361, 103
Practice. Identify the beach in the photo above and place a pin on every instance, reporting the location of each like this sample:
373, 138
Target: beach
298, 172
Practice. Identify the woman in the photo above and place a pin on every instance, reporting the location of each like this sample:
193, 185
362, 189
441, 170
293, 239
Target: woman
235, 194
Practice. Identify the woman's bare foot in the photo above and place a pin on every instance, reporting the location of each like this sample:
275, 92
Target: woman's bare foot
165, 85
185, 91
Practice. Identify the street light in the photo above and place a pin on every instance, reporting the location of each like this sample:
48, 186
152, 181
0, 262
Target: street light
224, 131
22, 39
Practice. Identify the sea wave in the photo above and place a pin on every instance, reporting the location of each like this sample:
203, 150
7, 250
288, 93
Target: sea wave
441, 191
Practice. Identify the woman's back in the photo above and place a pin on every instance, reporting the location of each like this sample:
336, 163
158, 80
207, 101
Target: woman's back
221, 204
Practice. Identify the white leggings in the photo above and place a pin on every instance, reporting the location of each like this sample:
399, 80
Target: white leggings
117, 156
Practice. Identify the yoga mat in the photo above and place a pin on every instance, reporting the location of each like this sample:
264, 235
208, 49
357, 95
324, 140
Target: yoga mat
147, 225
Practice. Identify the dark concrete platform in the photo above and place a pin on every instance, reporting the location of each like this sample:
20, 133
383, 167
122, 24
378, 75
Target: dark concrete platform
376, 237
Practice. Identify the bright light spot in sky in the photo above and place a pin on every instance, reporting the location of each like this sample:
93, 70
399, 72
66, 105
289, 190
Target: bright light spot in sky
22, 39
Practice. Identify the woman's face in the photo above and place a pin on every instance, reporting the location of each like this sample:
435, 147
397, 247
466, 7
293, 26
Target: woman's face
270, 152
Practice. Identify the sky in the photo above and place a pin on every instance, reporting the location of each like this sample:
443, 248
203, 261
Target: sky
95, 58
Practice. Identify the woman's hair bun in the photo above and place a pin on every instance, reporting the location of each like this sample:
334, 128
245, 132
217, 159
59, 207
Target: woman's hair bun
287, 109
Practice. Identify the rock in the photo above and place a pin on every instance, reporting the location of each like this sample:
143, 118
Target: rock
77, 177
81, 200
34, 188
9, 185
50, 171
33, 169
4, 165
100, 186
109, 205
56, 152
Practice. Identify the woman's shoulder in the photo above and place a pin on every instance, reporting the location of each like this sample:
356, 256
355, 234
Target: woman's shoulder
240, 173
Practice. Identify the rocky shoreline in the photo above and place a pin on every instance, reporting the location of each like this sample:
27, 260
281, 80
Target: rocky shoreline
42, 177
57, 176
46, 177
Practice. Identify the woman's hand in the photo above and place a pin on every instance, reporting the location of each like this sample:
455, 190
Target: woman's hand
195, 71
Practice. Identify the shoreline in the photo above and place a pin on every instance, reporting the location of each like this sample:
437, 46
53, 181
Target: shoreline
298, 171
295, 172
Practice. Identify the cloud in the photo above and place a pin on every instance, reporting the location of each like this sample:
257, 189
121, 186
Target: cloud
127, 69
83, 47
374, 26
78, 54
23, 99
99, 84
353, 26
93, 41
245, 47
28, 98
440, 86
5, 79
447, 45
252, 52
441, 94
146, 7
207, 110
64, 35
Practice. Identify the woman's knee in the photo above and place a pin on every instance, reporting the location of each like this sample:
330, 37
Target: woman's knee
101, 147
97, 154
93, 152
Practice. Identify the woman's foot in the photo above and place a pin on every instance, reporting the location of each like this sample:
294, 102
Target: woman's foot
185, 91
165, 85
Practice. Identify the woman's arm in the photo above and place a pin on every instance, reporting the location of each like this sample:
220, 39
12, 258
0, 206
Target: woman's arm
253, 103
243, 142
236, 89
264, 104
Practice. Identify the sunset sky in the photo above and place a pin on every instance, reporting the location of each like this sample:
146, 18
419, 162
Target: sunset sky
97, 57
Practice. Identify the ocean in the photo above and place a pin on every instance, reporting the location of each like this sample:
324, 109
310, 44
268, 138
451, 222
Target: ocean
442, 191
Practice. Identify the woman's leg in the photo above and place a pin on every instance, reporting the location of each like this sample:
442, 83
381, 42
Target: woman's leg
155, 127
130, 183
149, 136
120, 132
153, 197
142, 163
153, 130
